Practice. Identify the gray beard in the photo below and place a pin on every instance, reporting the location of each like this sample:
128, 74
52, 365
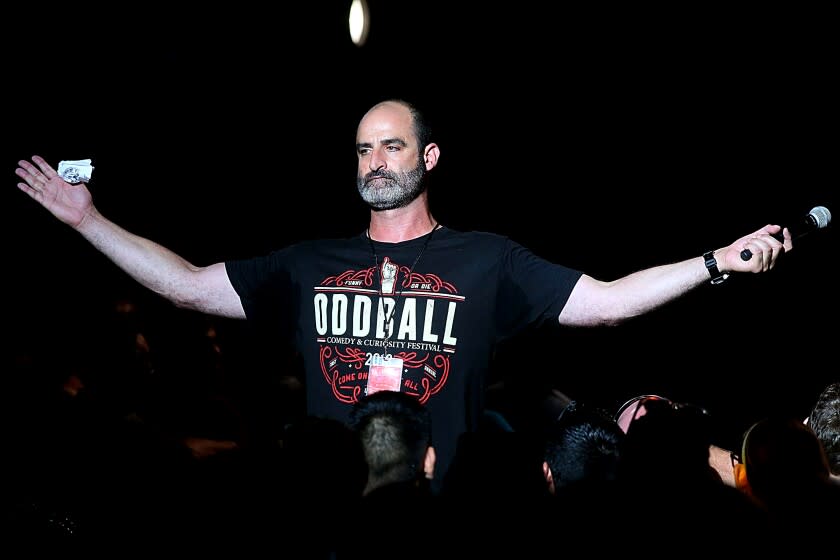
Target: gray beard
384, 190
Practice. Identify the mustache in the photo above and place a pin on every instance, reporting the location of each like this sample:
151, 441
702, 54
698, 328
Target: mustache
379, 175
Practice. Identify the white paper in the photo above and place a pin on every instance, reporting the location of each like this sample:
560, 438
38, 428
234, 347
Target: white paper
75, 171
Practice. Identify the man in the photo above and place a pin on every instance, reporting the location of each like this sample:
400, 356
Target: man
633, 409
457, 294
396, 434
824, 420
582, 447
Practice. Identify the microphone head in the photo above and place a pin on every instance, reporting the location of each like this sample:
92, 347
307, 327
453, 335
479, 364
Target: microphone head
821, 216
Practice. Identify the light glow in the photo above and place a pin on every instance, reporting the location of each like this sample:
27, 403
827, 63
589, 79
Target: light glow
359, 22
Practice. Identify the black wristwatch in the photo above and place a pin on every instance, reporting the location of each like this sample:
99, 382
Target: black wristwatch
711, 266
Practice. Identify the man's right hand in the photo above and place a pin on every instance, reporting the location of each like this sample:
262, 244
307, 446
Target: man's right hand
69, 203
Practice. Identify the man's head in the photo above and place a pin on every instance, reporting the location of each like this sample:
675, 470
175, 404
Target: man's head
393, 144
395, 430
780, 458
582, 447
824, 420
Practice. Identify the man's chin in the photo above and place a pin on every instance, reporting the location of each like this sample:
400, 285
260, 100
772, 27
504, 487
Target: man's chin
382, 206
377, 202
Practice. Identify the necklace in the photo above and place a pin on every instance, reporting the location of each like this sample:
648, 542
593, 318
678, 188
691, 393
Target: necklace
395, 271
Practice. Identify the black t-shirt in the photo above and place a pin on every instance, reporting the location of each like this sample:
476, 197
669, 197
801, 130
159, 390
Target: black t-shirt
454, 296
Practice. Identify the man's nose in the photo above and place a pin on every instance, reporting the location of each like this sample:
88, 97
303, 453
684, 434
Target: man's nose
377, 162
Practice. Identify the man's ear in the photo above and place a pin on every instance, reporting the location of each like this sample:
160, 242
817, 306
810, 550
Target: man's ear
429, 463
430, 156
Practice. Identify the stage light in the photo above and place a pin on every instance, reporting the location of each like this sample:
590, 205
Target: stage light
359, 22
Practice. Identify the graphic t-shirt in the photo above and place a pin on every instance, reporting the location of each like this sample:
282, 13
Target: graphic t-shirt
423, 316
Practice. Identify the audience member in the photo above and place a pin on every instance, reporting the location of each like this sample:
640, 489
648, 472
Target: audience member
783, 467
719, 457
396, 435
824, 419
582, 447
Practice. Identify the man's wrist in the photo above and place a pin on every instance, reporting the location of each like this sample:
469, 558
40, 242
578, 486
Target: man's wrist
712, 266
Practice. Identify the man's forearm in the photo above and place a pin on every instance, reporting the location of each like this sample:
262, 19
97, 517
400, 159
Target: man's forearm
654, 287
151, 264
595, 303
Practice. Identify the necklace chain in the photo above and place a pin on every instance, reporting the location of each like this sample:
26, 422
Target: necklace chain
398, 295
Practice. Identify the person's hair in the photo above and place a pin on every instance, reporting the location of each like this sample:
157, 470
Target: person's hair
583, 446
395, 431
824, 419
781, 456
420, 122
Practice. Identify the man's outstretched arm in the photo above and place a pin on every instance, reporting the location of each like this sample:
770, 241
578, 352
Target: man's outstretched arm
593, 302
205, 289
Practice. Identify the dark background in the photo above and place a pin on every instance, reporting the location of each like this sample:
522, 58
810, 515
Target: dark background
607, 139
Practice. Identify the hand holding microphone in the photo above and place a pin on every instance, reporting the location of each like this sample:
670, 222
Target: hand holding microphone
818, 218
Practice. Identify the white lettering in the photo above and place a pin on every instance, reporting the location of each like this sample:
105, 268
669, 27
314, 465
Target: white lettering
339, 314
385, 308
361, 315
408, 320
428, 335
321, 314
332, 317
450, 320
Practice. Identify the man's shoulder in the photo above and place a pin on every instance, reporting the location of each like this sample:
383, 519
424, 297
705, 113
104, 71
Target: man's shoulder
301, 249
471, 236
328, 242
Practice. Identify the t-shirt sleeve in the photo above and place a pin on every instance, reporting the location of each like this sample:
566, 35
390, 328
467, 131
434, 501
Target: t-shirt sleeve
265, 287
246, 276
532, 289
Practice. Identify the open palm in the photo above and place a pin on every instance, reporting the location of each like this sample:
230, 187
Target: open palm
69, 203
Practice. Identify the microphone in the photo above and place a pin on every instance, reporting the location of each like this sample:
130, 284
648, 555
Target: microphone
818, 218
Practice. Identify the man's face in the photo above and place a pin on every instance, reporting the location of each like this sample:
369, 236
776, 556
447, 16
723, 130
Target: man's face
391, 165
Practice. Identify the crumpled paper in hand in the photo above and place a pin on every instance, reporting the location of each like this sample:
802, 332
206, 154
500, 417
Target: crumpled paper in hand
75, 171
